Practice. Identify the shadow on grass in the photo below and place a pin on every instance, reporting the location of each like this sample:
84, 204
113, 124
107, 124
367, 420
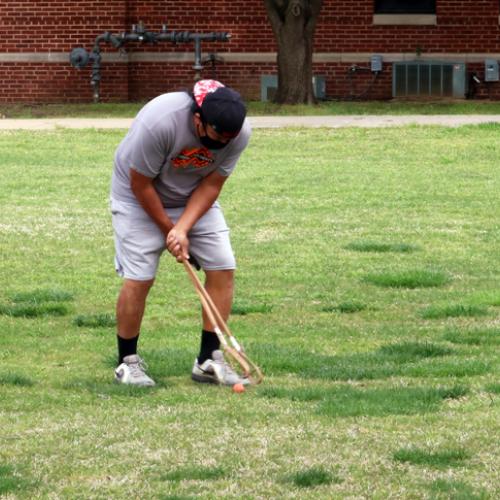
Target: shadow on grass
414, 359
448, 457
403, 359
107, 388
354, 402
374, 246
162, 363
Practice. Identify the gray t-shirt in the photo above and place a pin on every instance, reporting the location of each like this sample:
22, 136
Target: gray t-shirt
162, 144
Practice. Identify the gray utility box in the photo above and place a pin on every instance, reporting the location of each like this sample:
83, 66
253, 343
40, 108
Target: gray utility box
428, 79
491, 73
376, 63
269, 86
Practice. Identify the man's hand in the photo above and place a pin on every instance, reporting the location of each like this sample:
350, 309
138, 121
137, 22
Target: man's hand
178, 244
146, 195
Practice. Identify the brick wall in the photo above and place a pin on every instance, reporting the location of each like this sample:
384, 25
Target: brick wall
463, 26
32, 31
31, 26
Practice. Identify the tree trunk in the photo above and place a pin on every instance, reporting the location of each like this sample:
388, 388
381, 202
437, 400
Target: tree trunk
294, 23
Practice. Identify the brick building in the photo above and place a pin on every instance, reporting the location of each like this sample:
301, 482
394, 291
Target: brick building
427, 47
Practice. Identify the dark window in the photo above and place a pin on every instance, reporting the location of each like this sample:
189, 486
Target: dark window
405, 6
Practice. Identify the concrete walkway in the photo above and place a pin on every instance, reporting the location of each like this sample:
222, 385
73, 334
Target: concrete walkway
264, 121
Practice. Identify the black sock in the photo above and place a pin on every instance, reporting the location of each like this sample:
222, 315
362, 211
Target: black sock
209, 343
126, 347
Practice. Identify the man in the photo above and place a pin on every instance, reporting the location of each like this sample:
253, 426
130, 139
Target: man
169, 171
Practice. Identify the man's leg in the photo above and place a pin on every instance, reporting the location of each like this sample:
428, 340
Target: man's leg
220, 286
139, 244
210, 365
129, 312
130, 307
210, 245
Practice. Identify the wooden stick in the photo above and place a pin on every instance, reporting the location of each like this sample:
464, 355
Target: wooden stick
215, 318
212, 312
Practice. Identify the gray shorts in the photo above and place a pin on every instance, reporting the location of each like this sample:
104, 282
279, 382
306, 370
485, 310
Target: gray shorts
139, 243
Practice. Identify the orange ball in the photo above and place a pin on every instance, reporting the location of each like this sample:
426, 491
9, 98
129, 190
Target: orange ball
238, 388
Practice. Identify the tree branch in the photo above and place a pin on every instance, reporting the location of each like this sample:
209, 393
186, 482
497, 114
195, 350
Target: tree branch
274, 8
315, 8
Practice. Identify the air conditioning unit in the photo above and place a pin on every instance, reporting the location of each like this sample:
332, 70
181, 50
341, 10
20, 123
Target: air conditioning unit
428, 79
269, 86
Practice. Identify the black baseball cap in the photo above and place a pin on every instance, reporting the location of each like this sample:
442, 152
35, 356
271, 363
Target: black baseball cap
224, 110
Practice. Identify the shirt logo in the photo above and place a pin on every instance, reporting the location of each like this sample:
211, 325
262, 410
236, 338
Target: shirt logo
194, 157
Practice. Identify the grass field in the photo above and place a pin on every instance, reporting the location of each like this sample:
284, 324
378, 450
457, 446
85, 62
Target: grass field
256, 108
367, 289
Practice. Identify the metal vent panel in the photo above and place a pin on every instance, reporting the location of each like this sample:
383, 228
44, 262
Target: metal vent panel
428, 79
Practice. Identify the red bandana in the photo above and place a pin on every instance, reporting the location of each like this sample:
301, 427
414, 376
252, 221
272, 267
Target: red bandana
204, 87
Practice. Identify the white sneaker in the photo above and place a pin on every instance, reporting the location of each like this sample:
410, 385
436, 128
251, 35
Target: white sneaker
133, 372
216, 371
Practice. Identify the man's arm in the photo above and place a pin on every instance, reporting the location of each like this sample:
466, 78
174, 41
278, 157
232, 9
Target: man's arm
202, 198
144, 191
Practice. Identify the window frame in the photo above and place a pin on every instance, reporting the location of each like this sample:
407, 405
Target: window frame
404, 10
